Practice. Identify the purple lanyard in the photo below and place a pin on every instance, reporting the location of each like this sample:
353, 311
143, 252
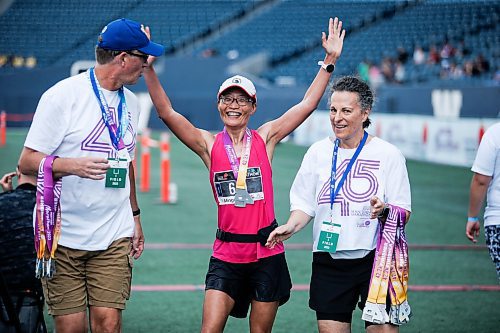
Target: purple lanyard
231, 153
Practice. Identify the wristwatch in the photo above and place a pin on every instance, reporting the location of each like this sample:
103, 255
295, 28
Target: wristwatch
327, 67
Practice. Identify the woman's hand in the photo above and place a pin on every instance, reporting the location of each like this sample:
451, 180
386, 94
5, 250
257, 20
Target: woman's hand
147, 31
278, 235
377, 206
335, 41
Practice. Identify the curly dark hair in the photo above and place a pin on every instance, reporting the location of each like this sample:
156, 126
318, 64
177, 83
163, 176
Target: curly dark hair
356, 85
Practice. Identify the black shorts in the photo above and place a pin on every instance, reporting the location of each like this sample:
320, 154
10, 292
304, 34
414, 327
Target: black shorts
338, 284
266, 280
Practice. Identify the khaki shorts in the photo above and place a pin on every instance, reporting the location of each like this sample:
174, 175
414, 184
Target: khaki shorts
89, 278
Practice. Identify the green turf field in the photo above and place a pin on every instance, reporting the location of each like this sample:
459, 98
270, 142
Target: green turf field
440, 199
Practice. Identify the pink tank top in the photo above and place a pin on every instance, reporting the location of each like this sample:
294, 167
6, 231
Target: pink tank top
249, 219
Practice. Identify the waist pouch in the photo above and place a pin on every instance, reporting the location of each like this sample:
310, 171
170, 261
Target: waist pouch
260, 237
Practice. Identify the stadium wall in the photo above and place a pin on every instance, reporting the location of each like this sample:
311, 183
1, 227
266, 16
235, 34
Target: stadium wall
191, 83
423, 138
449, 99
436, 123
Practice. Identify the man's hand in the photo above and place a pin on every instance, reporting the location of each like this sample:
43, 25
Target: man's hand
6, 181
89, 167
137, 240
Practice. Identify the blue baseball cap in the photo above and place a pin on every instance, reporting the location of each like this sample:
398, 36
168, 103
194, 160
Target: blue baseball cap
127, 35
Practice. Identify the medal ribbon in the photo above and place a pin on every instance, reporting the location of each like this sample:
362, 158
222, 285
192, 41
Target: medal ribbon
116, 132
239, 169
48, 218
390, 272
333, 191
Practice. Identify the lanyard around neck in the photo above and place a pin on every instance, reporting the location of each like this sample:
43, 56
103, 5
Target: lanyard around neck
116, 131
239, 169
334, 191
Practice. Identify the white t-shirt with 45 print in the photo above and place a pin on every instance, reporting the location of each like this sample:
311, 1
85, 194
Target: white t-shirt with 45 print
68, 123
380, 170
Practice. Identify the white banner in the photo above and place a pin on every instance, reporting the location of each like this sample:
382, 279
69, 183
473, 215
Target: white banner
423, 138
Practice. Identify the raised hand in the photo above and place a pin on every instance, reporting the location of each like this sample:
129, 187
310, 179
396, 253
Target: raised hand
147, 31
335, 41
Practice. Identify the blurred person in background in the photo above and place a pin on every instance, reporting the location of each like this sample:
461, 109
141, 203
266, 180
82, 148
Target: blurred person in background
363, 70
482, 64
418, 55
486, 185
402, 54
242, 271
433, 58
18, 256
376, 77
387, 69
399, 72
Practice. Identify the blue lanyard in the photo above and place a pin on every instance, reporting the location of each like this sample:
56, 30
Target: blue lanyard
333, 191
116, 132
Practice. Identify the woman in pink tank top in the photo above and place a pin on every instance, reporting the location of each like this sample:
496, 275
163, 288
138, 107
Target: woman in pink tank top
242, 271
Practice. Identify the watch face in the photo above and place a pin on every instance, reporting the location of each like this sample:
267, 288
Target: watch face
329, 68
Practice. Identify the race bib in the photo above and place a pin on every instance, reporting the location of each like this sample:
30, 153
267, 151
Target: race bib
225, 185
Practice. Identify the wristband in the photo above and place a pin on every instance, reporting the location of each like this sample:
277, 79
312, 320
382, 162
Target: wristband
473, 219
136, 212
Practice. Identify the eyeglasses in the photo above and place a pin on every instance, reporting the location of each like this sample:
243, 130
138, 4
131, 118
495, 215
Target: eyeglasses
241, 101
143, 56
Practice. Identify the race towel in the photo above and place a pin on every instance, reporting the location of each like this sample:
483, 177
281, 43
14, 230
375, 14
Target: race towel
48, 218
390, 273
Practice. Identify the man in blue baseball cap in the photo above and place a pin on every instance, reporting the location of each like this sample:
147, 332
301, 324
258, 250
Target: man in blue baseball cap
126, 35
83, 137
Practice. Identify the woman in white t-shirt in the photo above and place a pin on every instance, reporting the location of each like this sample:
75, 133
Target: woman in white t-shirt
350, 203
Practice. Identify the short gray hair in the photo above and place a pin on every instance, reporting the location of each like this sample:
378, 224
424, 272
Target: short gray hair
103, 56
